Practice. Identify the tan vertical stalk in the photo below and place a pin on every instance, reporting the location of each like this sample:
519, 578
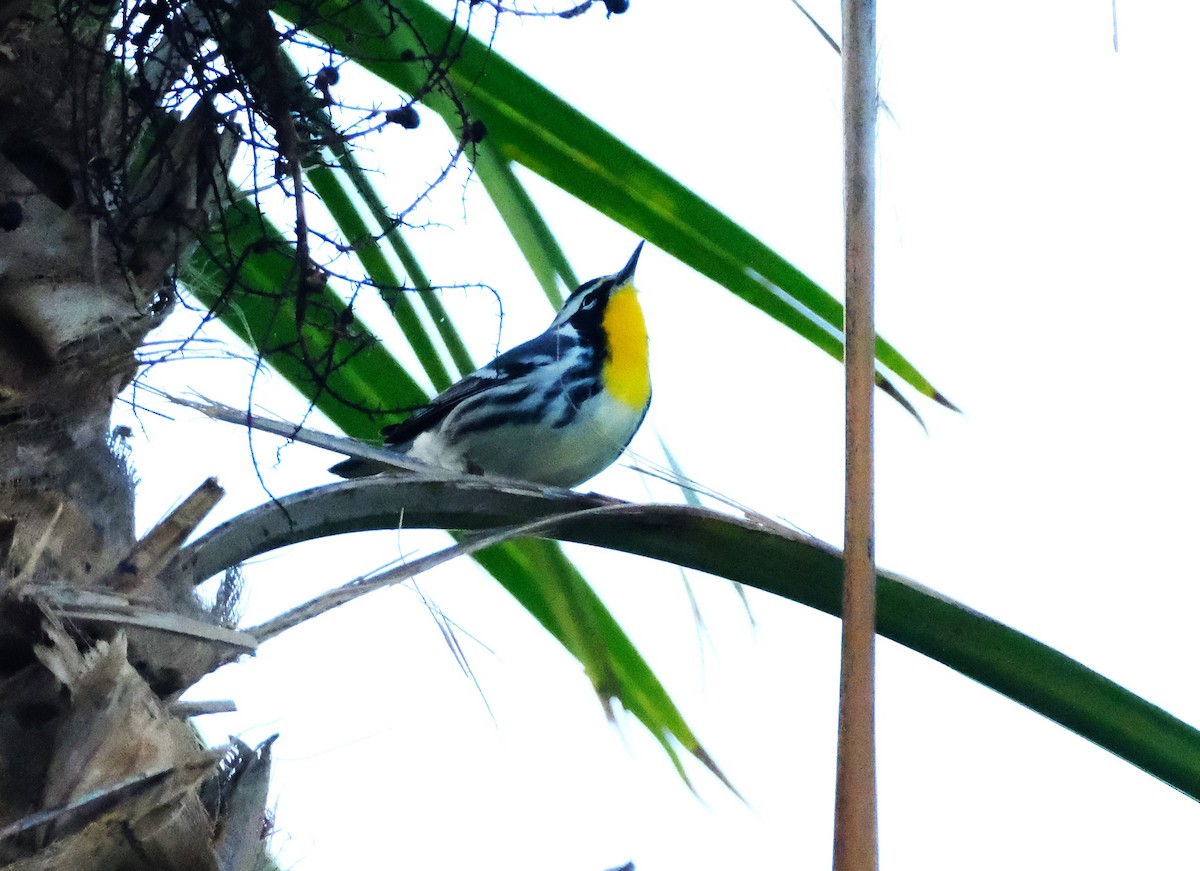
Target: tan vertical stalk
855, 839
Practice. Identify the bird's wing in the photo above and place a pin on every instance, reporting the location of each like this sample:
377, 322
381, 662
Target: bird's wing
513, 364
426, 417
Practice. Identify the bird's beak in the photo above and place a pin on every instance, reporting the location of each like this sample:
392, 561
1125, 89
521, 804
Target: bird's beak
625, 276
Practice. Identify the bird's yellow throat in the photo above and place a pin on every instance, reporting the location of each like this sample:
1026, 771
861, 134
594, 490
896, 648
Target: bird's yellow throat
627, 369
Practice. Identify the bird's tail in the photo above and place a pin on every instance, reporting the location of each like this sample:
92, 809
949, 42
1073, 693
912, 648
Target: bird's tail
358, 468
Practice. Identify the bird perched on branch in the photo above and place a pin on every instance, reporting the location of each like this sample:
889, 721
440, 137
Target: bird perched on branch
557, 410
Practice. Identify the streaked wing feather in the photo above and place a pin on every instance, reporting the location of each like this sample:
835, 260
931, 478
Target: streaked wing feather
511, 364
426, 417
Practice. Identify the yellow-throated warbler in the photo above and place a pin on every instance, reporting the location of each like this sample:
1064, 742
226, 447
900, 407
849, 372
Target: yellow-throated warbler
556, 410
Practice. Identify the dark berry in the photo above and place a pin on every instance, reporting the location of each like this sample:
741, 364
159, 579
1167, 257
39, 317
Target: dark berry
405, 116
326, 77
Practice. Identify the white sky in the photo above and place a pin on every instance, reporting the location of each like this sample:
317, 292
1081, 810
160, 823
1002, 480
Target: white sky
1037, 228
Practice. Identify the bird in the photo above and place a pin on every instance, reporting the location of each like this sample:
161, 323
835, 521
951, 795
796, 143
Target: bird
555, 410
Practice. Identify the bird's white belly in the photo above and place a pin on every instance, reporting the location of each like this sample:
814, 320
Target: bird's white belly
562, 457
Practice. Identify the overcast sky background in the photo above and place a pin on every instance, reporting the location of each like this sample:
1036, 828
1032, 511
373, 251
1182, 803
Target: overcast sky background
1037, 237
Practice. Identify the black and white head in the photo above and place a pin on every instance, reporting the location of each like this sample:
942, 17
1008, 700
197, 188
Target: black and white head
584, 309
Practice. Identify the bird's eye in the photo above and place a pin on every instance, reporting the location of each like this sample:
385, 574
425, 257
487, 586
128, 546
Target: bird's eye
589, 301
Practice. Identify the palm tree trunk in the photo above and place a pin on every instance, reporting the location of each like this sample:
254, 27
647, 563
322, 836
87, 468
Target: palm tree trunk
99, 198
